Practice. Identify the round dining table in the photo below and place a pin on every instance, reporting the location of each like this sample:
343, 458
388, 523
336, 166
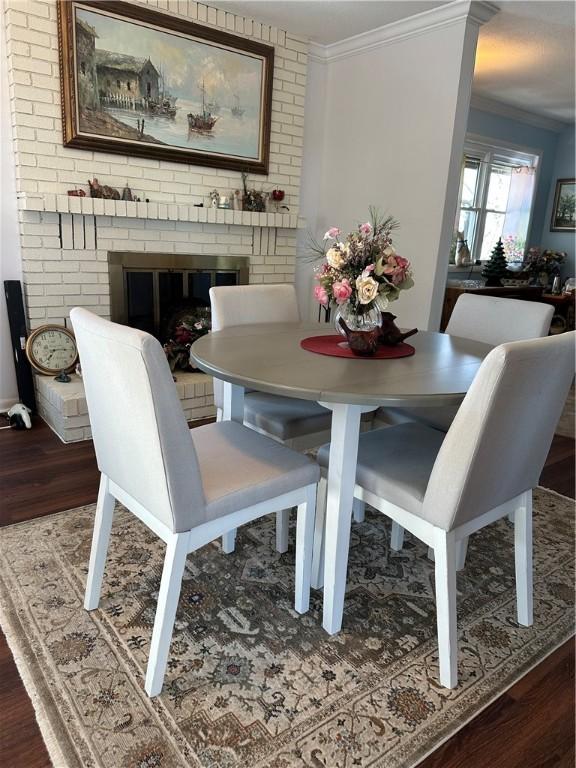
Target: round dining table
269, 358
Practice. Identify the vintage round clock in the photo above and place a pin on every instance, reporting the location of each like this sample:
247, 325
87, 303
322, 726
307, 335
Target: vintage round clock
52, 349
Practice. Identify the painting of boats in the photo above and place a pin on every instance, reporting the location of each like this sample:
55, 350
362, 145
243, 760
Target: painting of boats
204, 120
145, 83
237, 110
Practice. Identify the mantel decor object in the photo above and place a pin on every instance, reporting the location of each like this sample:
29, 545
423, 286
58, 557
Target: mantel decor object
140, 82
361, 274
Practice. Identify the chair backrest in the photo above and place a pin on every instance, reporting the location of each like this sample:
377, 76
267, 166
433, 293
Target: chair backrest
250, 305
494, 320
498, 442
141, 437
253, 304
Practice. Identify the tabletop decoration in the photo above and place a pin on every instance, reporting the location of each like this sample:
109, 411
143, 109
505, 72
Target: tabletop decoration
333, 346
361, 274
541, 265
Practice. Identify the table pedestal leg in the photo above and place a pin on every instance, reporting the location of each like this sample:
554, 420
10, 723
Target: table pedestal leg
340, 494
233, 405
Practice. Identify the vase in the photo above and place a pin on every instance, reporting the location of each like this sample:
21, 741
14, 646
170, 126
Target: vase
361, 329
367, 320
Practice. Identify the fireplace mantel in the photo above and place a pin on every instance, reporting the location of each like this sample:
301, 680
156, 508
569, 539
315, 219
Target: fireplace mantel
90, 206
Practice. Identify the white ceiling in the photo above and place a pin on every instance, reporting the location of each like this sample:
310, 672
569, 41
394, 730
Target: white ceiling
525, 57
327, 21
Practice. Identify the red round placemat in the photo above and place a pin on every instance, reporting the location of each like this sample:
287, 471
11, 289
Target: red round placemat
337, 346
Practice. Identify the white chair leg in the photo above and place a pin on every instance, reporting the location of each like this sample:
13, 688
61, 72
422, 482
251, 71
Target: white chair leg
523, 560
100, 539
229, 541
282, 527
318, 553
461, 550
445, 571
396, 537
358, 510
304, 546
170, 585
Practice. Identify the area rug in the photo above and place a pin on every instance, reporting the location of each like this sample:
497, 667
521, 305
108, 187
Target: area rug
249, 681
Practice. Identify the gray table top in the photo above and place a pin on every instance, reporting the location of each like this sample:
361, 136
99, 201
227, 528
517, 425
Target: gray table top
269, 358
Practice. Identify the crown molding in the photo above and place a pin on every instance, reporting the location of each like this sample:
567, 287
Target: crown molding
436, 18
495, 107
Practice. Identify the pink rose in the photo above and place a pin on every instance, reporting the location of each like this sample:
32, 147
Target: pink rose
321, 295
342, 290
332, 233
395, 269
366, 229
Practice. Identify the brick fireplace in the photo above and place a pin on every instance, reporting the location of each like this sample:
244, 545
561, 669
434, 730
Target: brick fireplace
70, 257
66, 241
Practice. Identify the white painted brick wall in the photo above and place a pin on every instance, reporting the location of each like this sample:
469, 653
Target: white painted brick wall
45, 166
65, 255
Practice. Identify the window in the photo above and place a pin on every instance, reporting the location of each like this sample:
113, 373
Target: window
129, 85
496, 196
118, 84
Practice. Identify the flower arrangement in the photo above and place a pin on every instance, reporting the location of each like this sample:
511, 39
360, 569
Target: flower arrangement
361, 269
188, 328
538, 261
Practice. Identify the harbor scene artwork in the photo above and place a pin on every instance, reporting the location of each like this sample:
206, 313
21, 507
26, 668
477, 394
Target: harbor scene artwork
139, 85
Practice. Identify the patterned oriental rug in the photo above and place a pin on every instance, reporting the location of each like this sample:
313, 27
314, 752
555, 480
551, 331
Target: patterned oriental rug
250, 682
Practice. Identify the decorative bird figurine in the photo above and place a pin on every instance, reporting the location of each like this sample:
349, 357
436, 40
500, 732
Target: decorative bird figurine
390, 334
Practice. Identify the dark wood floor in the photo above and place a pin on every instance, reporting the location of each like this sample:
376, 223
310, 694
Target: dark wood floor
530, 726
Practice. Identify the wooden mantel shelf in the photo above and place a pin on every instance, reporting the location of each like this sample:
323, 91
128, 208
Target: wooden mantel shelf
90, 206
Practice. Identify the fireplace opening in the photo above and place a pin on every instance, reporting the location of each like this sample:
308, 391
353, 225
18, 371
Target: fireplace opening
149, 291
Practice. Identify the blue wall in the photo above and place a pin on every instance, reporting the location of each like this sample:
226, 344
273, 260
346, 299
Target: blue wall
510, 131
564, 168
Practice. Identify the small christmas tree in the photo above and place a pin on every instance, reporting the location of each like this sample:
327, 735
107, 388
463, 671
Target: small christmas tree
497, 267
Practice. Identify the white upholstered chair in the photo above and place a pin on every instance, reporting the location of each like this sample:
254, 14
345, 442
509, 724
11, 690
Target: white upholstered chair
443, 487
297, 423
491, 320
188, 486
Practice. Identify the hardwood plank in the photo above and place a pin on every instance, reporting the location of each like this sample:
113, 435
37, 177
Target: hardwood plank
21, 744
530, 726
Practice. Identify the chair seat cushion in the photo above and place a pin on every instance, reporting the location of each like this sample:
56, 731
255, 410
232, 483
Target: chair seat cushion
395, 463
285, 417
240, 468
438, 418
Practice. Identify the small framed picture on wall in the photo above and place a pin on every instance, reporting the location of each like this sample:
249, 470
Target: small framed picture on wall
564, 209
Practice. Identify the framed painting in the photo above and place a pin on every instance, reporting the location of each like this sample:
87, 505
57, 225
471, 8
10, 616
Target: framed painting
139, 82
564, 208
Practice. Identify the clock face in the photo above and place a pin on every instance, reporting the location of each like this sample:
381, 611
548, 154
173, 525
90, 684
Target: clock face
52, 349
